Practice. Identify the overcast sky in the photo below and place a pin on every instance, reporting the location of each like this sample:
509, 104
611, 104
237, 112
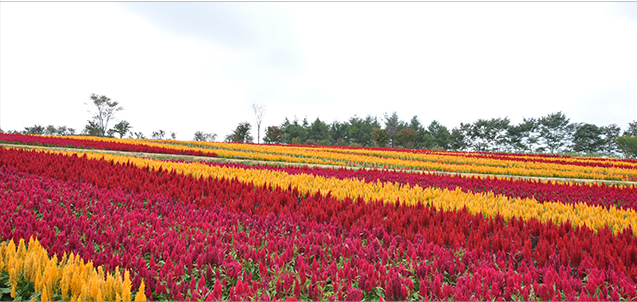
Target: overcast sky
185, 67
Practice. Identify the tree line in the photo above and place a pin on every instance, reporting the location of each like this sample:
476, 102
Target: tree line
553, 133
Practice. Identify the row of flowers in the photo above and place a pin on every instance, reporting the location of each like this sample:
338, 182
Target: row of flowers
90, 143
463, 162
488, 204
449, 228
528, 165
191, 251
598, 194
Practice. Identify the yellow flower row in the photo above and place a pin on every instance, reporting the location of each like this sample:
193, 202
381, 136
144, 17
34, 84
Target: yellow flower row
396, 159
488, 204
223, 153
71, 277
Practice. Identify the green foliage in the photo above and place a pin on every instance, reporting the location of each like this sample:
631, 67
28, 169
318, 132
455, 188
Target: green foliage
436, 136
380, 137
204, 137
273, 135
632, 129
48, 130
318, 133
610, 133
392, 125
241, 134
158, 134
407, 138
587, 138
628, 145
120, 128
555, 131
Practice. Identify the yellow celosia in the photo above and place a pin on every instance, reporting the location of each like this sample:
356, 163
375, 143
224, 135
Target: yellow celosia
71, 277
141, 295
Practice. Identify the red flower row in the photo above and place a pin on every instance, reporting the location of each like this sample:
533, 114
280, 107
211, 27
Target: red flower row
79, 142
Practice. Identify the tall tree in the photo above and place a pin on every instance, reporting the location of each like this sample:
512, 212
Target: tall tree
407, 137
610, 134
241, 134
121, 128
259, 113
318, 133
50, 130
415, 125
628, 145
392, 125
587, 138
106, 110
35, 129
436, 136
555, 131
459, 139
380, 137
339, 133
360, 130
489, 135
632, 129
273, 135
294, 133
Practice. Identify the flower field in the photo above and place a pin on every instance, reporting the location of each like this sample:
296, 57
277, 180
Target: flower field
87, 225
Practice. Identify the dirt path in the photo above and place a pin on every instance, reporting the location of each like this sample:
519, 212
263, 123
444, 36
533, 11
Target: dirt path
250, 161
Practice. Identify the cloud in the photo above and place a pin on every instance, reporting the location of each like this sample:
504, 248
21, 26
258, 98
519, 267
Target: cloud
256, 31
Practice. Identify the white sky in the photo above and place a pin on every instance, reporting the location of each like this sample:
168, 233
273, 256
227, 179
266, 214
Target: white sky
185, 67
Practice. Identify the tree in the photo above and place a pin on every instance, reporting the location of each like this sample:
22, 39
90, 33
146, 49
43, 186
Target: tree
555, 131
359, 131
587, 138
35, 129
63, 130
318, 133
106, 110
632, 129
204, 137
628, 145
415, 125
93, 129
436, 136
120, 128
489, 135
406, 137
610, 133
392, 125
273, 135
294, 133
459, 139
339, 133
139, 135
173, 135
259, 112
50, 130
380, 137
241, 134
158, 134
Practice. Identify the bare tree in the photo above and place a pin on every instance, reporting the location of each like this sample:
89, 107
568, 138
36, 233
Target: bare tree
106, 110
259, 112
